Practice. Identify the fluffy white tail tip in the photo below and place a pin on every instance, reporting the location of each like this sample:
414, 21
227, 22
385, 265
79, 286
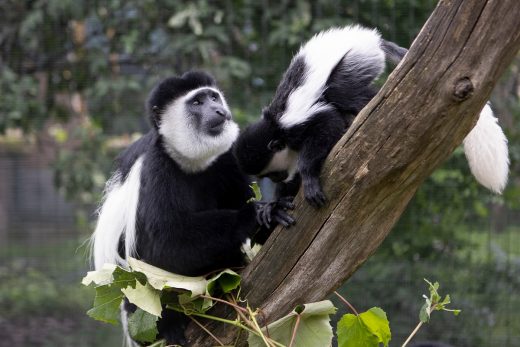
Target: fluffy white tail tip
487, 153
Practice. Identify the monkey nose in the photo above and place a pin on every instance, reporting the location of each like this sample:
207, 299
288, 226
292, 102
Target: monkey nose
223, 113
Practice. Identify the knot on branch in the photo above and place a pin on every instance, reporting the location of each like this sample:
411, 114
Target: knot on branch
463, 89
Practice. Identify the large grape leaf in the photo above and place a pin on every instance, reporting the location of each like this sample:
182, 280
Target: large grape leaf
145, 297
160, 279
314, 327
142, 326
368, 329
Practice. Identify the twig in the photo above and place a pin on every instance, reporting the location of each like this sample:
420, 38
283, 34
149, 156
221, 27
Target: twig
266, 326
268, 341
206, 330
412, 334
347, 303
234, 305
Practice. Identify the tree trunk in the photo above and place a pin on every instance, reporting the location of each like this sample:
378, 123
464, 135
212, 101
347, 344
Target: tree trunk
422, 113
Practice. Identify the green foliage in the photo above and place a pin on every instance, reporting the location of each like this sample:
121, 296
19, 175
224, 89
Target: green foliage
449, 200
145, 297
20, 107
434, 303
151, 288
27, 290
142, 326
309, 323
106, 304
109, 295
81, 173
368, 329
257, 193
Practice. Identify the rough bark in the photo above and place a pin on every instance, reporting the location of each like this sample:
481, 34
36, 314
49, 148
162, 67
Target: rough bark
422, 113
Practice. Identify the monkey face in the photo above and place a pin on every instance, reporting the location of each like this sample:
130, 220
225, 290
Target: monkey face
261, 151
197, 128
208, 111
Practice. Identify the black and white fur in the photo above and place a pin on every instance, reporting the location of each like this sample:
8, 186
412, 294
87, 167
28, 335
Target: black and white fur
178, 199
326, 85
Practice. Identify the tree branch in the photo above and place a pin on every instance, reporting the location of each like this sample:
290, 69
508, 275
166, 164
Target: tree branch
423, 112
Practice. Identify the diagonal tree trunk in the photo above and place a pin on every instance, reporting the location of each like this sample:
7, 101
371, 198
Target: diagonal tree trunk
422, 113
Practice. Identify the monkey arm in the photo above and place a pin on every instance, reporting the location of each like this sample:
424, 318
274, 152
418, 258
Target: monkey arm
321, 136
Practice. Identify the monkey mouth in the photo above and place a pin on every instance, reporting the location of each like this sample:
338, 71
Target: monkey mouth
216, 128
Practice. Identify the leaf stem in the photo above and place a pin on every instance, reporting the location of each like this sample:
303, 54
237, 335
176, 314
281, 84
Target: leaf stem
237, 307
206, 330
346, 303
430, 310
222, 320
296, 325
412, 334
257, 327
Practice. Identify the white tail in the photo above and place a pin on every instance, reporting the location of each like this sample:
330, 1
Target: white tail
117, 218
487, 153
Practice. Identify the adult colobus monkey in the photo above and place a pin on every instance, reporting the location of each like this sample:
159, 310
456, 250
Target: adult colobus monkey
178, 199
327, 83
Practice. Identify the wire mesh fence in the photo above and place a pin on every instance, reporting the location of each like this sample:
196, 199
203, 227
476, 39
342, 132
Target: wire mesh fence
93, 80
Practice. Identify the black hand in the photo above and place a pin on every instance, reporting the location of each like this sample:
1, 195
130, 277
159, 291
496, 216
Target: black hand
313, 193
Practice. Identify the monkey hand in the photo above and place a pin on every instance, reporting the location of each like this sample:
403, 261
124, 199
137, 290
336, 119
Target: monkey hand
275, 211
313, 192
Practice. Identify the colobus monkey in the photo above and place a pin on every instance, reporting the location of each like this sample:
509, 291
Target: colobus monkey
326, 85
178, 199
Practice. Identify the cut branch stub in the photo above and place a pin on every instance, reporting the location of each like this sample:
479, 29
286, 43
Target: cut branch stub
463, 89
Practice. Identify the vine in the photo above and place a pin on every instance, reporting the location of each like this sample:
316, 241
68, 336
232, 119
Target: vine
152, 289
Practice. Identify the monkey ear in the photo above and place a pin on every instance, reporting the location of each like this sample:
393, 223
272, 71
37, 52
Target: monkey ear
276, 145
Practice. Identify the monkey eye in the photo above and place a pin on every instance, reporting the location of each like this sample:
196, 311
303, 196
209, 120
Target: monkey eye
197, 102
214, 97
275, 145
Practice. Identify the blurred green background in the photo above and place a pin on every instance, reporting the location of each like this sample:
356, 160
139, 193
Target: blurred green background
73, 79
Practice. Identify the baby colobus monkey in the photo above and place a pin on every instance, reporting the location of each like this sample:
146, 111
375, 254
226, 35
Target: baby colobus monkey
178, 199
326, 85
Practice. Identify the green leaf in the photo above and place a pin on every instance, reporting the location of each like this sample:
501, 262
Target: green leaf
192, 305
376, 321
256, 190
145, 297
124, 278
109, 296
160, 279
106, 304
368, 329
313, 330
434, 293
142, 326
100, 277
446, 300
353, 333
225, 281
424, 313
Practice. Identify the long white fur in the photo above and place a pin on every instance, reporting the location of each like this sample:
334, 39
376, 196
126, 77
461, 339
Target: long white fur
487, 153
193, 150
322, 53
127, 339
117, 218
